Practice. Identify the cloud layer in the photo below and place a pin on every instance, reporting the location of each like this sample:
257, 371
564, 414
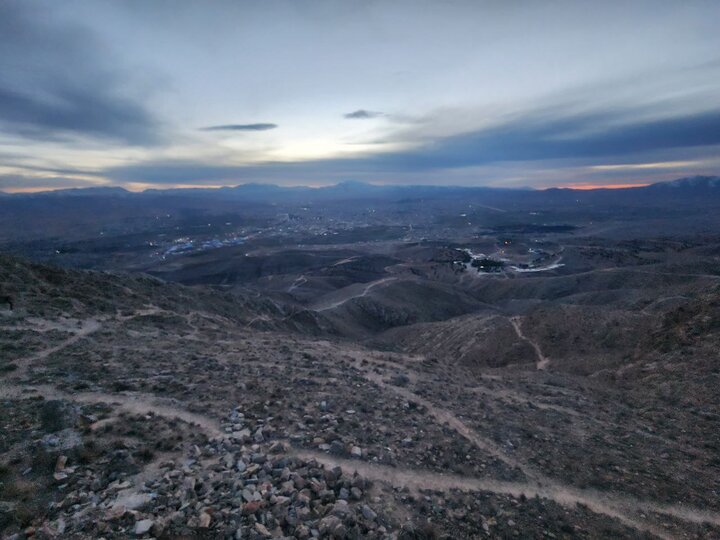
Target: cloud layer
56, 82
241, 127
603, 137
12, 181
518, 93
362, 114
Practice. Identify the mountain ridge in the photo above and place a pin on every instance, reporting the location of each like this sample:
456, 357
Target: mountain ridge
357, 188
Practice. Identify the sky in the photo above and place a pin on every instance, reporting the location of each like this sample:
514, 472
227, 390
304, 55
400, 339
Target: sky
479, 93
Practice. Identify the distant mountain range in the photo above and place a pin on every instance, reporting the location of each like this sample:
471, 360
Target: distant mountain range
698, 189
689, 183
354, 189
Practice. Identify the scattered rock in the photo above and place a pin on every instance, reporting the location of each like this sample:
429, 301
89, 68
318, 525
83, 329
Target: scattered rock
143, 526
204, 520
368, 513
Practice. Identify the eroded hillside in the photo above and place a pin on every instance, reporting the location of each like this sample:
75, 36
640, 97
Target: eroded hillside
136, 407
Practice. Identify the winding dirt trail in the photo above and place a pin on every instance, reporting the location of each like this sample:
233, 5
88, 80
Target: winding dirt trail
87, 327
630, 511
445, 417
297, 283
252, 321
625, 509
324, 305
543, 361
134, 403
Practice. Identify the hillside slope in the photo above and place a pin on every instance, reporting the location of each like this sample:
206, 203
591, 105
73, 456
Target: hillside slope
129, 406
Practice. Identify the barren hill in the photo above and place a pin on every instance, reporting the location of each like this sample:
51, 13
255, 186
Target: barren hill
131, 406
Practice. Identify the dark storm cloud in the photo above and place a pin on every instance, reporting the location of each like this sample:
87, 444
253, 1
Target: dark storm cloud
241, 127
74, 111
57, 81
56, 170
531, 138
362, 114
590, 139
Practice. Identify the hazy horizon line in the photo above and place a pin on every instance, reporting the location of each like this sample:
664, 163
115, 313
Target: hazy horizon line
577, 186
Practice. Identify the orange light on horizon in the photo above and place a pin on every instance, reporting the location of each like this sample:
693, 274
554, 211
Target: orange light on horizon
586, 187
32, 189
139, 187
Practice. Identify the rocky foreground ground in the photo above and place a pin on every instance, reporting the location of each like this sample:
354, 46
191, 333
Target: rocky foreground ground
134, 408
